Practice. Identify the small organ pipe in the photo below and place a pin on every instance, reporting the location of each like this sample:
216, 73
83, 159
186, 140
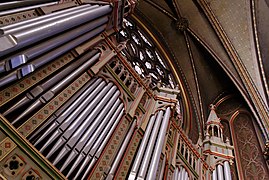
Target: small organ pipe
80, 111
83, 120
77, 142
120, 154
176, 174
180, 170
214, 175
98, 149
146, 159
142, 148
159, 145
163, 168
23, 38
220, 172
227, 171
75, 104
108, 120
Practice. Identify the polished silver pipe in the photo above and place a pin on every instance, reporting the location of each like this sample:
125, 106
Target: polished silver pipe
78, 140
150, 148
214, 175
68, 108
12, 11
21, 39
100, 148
77, 126
16, 4
142, 148
65, 122
180, 173
106, 122
93, 161
159, 145
33, 52
227, 171
43, 19
38, 90
220, 172
58, 87
120, 154
175, 174
27, 69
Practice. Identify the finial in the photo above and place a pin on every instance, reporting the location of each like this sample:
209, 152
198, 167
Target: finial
212, 107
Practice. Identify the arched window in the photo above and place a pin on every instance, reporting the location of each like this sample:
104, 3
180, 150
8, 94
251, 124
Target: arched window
144, 56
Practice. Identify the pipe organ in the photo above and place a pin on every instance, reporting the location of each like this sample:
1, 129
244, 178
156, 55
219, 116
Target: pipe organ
74, 105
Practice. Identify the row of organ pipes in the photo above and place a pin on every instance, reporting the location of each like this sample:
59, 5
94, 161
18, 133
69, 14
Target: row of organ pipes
79, 35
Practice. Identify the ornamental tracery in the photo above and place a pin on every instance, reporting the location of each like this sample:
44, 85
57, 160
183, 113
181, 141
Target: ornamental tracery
143, 55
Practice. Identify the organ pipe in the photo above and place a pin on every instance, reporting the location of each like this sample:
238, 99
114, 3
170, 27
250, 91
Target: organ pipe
142, 148
159, 145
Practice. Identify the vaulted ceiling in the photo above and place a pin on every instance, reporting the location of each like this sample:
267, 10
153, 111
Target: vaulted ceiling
217, 46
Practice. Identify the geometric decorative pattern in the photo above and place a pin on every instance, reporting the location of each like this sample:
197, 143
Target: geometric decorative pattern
111, 150
143, 55
44, 113
6, 146
252, 163
21, 86
128, 157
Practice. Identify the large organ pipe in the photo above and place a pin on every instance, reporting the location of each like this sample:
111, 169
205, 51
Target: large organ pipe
58, 87
220, 172
20, 9
23, 38
105, 124
97, 149
159, 145
146, 159
69, 127
121, 151
80, 138
16, 4
32, 52
30, 67
227, 171
44, 19
142, 148
75, 104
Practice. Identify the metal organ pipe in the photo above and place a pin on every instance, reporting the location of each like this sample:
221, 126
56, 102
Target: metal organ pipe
121, 151
93, 153
29, 68
58, 87
159, 145
32, 52
176, 174
80, 111
214, 175
220, 172
38, 90
80, 138
43, 19
142, 148
23, 38
107, 122
149, 150
65, 110
227, 171
82, 120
